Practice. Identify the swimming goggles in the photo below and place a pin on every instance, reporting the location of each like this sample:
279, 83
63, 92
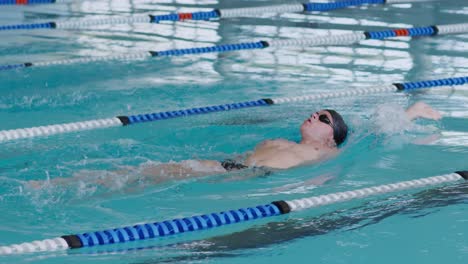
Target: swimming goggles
324, 119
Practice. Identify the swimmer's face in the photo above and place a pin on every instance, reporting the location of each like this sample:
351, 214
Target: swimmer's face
318, 127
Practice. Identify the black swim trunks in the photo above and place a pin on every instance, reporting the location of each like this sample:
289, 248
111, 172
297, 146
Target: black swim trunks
231, 165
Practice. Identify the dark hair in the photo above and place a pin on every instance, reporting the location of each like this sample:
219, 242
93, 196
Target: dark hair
340, 129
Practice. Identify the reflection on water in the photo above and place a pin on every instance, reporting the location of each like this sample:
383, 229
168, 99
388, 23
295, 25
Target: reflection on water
397, 57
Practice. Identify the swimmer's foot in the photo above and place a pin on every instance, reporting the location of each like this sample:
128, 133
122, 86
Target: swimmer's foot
422, 110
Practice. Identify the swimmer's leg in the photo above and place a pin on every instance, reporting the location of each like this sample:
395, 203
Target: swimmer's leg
182, 170
98, 177
154, 173
316, 181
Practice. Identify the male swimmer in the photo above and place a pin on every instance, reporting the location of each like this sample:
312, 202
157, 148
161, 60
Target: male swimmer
322, 133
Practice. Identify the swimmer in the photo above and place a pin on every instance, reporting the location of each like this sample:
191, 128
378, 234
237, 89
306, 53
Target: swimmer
322, 133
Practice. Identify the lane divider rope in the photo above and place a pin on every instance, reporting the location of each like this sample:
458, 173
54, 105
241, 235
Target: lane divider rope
208, 221
201, 15
7, 135
32, 2
341, 39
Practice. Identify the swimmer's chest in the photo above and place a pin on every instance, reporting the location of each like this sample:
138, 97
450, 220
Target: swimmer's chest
290, 153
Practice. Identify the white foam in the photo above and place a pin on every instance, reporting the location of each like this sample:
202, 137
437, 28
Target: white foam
391, 119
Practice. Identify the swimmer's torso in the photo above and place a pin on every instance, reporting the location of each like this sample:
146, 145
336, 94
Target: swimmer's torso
283, 154
276, 154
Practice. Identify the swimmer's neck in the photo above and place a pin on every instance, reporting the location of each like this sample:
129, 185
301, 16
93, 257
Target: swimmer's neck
316, 144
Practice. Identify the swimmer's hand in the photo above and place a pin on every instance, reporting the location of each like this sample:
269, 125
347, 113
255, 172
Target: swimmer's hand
422, 110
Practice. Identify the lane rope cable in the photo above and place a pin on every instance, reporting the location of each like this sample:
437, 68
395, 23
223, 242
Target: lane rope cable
208, 221
202, 15
7, 135
339, 39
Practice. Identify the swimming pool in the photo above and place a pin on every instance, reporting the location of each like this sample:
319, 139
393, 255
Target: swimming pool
424, 225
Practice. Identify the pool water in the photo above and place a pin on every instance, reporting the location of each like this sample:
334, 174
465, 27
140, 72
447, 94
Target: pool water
425, 226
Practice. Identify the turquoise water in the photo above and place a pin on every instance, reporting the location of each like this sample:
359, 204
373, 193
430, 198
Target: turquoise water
416, 226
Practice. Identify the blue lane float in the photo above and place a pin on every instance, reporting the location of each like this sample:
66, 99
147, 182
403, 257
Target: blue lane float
171, 227
125, 120
342, 39
217, 48
208, 221
46, 25
26, 2
14, 66
339, 5
33, 2
201, 15
141, 118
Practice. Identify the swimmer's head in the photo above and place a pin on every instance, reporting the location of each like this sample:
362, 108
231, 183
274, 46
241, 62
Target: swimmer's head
326, 126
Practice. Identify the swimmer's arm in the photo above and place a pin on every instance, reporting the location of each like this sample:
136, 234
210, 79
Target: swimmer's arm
422, 110
316, 181
240, 175
426, 140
